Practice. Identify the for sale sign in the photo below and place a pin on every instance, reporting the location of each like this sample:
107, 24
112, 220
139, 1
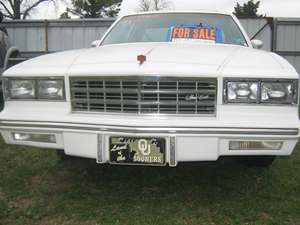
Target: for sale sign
198, 33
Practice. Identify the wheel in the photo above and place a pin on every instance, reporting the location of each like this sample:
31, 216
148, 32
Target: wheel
258, 161
62, 155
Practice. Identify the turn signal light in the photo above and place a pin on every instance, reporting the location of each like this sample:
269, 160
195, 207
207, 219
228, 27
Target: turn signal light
255, 145
45, 138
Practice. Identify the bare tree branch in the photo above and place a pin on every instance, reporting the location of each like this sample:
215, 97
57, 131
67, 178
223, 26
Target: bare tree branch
7, 10
156, 5
144, 5
75, 12
153, 5
8, 16
20, 9
26, 11
11, 3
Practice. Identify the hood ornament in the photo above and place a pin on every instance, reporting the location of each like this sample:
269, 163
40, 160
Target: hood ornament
141, 59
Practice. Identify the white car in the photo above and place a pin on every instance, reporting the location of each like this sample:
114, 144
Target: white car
158, 89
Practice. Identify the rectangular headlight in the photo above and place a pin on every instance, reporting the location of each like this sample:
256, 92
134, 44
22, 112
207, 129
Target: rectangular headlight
279, 92
261, 91
241, 91
51, 89
34, 88
21, 89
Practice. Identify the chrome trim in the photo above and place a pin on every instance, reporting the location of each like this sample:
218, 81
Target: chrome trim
84, 103
5, 84
7, 124
144, 114
248, 43
173, 158
259, 81
100, 149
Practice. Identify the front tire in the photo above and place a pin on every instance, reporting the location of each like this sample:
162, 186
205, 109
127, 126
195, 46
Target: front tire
259, 161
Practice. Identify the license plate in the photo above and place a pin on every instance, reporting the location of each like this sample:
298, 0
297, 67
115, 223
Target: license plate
137, 150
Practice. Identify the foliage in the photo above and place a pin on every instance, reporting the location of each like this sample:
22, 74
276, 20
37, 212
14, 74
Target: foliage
20, 9
65, 15
95, 8
37, 188
247, 10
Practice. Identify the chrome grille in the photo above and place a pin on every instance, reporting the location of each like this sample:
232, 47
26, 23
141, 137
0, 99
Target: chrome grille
145, 95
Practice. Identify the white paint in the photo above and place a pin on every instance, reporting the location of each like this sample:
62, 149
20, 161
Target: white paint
196, 60
80, 144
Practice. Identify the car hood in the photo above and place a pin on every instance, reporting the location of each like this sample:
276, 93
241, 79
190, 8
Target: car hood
180, 59
160, 52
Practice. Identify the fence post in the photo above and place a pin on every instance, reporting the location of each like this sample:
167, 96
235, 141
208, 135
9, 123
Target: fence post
274, 35
46, 22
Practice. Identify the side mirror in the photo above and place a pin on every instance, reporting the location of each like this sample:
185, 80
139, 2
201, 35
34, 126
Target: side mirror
95, 43
257, 43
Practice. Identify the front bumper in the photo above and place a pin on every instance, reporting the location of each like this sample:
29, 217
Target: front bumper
183, 144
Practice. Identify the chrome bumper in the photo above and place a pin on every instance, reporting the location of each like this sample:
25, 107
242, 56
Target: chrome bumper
137, 129
183, 143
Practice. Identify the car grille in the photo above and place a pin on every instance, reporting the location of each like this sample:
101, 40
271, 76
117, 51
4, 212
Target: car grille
145, 95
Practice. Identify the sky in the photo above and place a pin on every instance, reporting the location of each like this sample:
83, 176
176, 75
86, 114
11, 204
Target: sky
272, 8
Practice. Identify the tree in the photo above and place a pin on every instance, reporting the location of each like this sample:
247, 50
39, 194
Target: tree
65, 15
248, 9
144, 6
153, 5
19, 9
95, 8
160, 5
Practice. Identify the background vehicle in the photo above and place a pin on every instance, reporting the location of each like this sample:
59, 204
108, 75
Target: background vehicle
7, 54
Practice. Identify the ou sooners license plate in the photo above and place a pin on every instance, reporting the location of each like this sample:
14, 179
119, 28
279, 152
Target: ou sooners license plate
137, 150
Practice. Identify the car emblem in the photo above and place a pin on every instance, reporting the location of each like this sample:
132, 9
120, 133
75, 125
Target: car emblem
203, 97
191, 97
141, 59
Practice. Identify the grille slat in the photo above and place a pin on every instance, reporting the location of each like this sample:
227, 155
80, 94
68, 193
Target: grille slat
129, 91
147, 95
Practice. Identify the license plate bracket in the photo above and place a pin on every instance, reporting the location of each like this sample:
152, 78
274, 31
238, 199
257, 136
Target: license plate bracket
137, 151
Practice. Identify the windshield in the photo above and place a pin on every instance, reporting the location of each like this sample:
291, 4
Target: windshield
156, 28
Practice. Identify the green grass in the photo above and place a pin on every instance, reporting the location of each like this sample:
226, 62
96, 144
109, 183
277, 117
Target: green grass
37, 188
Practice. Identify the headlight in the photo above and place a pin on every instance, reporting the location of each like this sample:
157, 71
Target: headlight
50, 89
21, 89
34, 89
242, 92
261, 91
279, 92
